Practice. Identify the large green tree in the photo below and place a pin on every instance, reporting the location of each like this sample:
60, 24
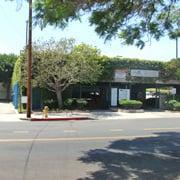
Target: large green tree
58, 64
134, 21
172, 70
7, 62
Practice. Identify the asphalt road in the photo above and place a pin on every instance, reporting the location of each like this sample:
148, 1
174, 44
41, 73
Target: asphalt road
142, 149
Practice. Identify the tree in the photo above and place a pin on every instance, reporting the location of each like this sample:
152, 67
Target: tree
7, 62
58, 64
172, 70
134, 21
88, 60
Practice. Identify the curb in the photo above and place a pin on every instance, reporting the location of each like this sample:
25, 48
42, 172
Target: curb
131, 110
58, 119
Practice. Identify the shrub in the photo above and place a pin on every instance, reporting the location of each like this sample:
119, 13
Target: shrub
173, 105
130, 104
72, 103
177, 106
68, 103
81, 103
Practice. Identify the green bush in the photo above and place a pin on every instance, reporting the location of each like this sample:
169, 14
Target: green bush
177, 106
81, 103
130, 104
73, 103
170, 104
68, 103
173, 105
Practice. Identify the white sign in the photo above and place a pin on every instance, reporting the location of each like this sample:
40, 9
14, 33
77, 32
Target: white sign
173, 91
144, 73
24, 99
124, 94
120, 74
113, 96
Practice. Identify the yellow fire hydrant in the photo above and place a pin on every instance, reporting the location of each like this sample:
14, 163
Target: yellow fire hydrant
45, 111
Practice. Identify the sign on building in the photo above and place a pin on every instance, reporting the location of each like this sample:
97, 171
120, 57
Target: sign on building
144, 73
120, 75
124, 94
173, 91
24, 99
113, 96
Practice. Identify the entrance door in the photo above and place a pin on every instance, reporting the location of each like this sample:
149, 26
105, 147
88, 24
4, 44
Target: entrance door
113, 96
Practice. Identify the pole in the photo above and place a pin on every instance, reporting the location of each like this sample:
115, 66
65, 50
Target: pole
29, 62
176, 47
27, 24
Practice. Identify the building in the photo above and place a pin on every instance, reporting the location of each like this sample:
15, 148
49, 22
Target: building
123, 79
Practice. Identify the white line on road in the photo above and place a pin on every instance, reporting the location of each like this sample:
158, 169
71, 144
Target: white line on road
69, 131
20, 132
78, 138
160, 129
115, 130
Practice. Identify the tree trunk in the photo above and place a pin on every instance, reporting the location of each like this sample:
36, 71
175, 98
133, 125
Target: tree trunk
59, 97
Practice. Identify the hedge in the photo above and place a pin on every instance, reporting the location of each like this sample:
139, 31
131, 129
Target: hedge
173, 105
72, 103
130, 104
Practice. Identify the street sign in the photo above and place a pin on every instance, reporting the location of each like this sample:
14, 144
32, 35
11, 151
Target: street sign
24, 99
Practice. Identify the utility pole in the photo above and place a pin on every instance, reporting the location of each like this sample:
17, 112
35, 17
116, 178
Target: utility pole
29, 62
176, 47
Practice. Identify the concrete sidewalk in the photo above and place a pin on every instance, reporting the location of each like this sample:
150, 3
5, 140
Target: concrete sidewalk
8, 113
109, 115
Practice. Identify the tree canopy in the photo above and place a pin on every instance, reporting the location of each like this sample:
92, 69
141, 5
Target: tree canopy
58, 64
134, 21
7, 62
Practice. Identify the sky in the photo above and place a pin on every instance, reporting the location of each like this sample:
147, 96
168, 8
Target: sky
13, 36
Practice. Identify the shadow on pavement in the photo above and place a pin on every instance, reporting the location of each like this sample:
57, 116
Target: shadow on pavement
154, 158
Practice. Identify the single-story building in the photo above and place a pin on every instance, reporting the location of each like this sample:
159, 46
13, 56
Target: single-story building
124, 79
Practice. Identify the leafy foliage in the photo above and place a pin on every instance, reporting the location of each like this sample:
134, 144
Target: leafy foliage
74, 103
174, 105
81, 103
136, 22
7, 62
58, 64
130, 104
16, 76
110, 64
172, 70
88, 59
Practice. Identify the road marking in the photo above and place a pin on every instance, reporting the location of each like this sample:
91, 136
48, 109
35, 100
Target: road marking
159, 129
20, 132
69, 131
78, 138
115, 130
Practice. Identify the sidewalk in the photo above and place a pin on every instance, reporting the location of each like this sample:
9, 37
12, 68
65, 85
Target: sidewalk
9, 114
108, 115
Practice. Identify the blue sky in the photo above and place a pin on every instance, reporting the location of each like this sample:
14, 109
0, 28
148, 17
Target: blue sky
13, 28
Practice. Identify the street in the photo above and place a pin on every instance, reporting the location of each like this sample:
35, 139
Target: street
92, 149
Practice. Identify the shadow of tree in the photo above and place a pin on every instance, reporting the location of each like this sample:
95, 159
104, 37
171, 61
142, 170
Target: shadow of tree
153, 158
